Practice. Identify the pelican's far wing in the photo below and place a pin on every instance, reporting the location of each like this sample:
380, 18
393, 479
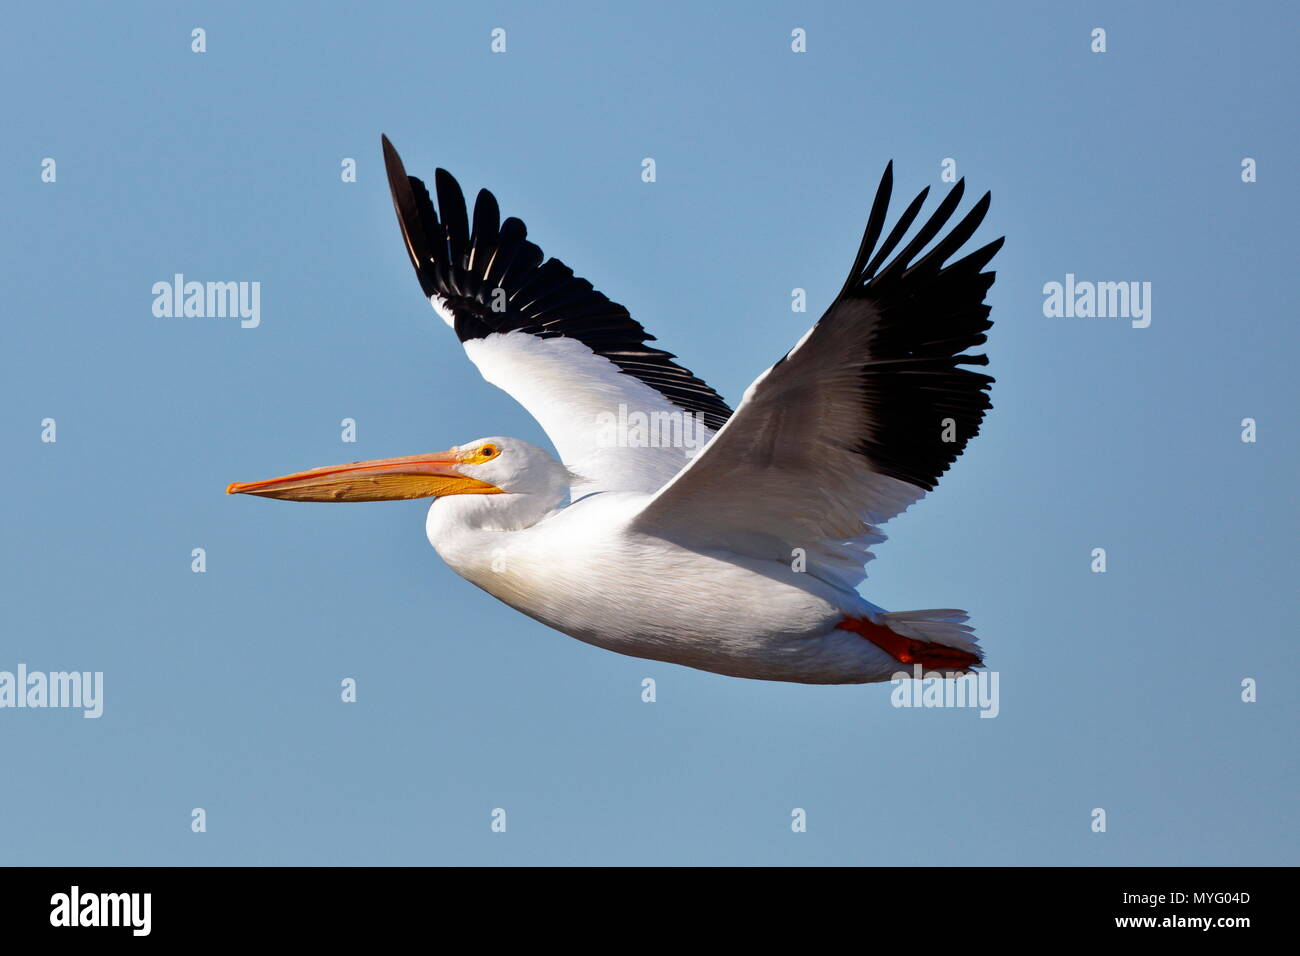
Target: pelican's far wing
579, 363
860, 418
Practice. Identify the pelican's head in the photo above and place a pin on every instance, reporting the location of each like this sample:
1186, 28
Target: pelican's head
489, 466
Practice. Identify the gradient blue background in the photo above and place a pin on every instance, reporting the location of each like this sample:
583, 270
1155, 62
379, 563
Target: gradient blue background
1119, 690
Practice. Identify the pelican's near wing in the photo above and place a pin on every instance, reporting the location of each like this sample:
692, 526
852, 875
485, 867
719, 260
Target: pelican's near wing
622, 414
859, 419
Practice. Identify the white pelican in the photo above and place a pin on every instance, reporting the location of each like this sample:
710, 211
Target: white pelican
743, 558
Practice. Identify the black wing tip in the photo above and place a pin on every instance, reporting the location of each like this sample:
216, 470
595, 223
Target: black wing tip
392, 160
869, 265
415, 214
544, 297
885, 188
927, 313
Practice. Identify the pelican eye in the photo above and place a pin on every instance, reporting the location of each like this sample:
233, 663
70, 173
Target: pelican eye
488, 451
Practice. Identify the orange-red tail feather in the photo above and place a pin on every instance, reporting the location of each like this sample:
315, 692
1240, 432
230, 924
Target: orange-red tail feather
909, 650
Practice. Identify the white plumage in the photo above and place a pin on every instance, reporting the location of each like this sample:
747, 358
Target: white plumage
742, 558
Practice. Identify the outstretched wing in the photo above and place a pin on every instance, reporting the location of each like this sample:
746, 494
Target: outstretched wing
860, 418
576, 361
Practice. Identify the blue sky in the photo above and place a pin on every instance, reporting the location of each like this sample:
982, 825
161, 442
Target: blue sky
1119, 690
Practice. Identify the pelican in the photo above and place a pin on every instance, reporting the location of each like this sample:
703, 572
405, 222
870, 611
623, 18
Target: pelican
737, 544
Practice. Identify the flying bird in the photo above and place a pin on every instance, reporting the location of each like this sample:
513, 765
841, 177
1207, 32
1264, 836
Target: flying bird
736, 545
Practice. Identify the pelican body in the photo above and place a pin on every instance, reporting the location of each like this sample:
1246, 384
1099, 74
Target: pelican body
587, 571
740, 553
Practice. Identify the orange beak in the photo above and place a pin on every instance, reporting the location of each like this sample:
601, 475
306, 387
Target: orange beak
384, 479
